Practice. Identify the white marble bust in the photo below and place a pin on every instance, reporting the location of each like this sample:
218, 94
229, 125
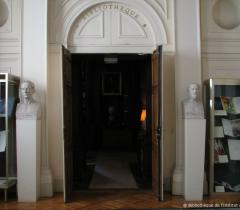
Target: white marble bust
192, 106
28, 108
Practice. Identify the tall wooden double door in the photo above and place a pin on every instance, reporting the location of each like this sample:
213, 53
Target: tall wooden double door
156, 115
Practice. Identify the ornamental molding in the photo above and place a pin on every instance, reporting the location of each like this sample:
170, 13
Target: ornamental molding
64, 14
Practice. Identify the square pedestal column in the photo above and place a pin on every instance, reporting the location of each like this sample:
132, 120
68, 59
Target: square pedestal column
194, 156
28, 159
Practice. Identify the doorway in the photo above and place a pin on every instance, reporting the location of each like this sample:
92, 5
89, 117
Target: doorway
104, 102
111, 136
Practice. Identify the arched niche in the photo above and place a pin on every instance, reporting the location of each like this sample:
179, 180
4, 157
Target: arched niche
110, 26
226, 14
4, 13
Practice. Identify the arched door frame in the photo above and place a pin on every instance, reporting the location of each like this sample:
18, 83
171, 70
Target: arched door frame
159, 38
67, 15
64, 18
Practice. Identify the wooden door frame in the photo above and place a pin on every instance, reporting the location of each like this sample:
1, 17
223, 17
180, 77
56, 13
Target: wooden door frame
157, 122
149, 69
67, 122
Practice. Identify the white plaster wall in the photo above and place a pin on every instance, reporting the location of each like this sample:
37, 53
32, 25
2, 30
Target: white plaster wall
220, 45
34, 55
54, 118
34, 68
10, 37
187, 70
10, 62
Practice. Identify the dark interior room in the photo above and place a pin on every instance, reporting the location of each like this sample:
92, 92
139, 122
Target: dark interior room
111, 120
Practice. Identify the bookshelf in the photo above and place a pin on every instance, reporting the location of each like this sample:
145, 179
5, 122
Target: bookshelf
8, 100
222, 105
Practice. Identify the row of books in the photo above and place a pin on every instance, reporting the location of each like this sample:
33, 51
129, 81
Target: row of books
229, 128
2, 141
226, 137
225, 105
11, 106
222, 153
222, 186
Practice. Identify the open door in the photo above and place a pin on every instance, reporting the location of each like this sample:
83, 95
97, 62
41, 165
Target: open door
157, 142
67, 122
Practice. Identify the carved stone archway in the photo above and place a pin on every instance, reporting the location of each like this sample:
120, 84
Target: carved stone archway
70, 22
139, 25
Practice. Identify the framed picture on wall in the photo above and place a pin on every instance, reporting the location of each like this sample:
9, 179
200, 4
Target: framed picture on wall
111, 83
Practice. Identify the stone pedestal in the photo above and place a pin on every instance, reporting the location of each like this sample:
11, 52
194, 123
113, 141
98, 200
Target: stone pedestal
194, 155
28, 159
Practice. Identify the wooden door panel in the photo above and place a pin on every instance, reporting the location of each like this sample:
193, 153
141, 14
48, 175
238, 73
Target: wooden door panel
157, 173
67, 122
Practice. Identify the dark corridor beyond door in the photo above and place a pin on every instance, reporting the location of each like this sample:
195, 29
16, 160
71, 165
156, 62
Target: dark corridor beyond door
110, 92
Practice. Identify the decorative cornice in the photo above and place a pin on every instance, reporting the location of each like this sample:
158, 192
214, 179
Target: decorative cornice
153, 10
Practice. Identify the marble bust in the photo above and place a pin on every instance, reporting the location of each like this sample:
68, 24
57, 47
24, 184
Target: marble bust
28, 108
192, 106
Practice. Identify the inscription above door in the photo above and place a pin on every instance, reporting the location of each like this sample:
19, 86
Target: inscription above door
110, 24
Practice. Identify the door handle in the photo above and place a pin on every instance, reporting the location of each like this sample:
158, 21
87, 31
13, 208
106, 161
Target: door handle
158, 133
158, 130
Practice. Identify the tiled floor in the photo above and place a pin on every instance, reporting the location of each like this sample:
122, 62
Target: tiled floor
112, 171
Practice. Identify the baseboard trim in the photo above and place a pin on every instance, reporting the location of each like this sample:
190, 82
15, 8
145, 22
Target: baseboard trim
46, 183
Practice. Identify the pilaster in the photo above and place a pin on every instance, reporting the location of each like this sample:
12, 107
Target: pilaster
34, 68
187, 70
